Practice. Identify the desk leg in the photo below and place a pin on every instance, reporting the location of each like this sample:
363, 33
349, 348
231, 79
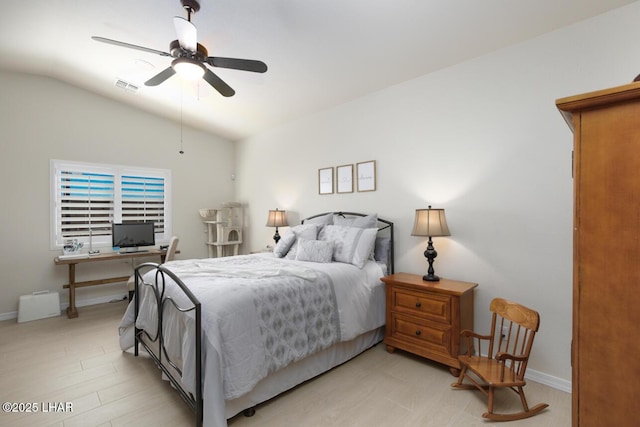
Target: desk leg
71, 310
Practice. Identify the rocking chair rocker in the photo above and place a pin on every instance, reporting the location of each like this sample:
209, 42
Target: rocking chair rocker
513, 328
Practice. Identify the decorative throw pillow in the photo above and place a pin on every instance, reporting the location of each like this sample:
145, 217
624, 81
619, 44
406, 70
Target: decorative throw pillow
284, 244
352, 245
314, 250
302, 231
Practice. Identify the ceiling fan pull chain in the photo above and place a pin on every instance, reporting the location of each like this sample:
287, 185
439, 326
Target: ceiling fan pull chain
181, 108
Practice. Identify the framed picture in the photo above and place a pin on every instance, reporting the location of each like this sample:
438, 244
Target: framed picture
344, 179
366, 175
325, 181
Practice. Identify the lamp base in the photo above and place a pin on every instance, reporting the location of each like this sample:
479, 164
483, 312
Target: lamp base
431, 255
430, 278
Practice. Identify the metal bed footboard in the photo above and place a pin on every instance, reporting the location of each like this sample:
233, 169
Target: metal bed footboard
160, 355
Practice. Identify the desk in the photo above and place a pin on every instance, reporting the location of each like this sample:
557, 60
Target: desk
72, 311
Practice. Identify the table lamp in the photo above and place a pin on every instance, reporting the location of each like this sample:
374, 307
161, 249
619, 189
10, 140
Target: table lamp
277, 219
431, 223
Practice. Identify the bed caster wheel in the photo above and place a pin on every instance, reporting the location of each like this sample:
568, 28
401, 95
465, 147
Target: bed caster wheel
250, 412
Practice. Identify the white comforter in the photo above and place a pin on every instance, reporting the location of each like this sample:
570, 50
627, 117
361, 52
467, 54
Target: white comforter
233, 340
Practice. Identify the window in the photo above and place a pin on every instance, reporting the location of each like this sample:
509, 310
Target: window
87, 198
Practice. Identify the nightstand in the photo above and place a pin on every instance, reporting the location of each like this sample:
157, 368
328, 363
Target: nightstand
425, 318
263, 250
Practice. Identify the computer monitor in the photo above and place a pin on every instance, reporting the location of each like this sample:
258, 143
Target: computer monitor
133, 235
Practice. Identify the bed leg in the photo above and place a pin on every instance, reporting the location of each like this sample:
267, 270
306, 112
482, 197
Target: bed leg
249, 412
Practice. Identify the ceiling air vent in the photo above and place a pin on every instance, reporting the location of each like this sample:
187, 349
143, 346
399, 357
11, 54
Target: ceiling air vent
129, 87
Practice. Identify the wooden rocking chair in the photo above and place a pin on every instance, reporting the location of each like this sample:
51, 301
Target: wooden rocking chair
513, 328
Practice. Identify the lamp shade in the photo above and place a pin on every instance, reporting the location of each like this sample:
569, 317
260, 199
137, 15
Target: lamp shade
277, 218
430, 222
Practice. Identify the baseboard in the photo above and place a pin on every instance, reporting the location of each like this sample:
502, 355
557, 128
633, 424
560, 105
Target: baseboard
546, 379
79, 303
549, 380
8, 316
94, 301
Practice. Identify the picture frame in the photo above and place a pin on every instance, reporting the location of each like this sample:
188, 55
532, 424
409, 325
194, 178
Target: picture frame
344, 179
325, 181
366, 175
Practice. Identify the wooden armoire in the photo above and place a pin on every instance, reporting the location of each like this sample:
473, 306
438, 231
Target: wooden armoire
606, 255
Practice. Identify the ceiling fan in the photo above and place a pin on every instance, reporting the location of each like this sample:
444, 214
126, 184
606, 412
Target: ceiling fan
190, 56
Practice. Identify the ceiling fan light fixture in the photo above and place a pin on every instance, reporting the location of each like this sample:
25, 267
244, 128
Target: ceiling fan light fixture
188, 68
190, 57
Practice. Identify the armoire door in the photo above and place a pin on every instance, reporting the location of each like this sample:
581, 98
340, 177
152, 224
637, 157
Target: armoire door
606, 361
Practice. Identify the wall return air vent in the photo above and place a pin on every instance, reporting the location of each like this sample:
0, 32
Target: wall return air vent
124, 85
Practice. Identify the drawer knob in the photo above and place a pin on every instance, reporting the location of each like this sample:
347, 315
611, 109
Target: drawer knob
418, 305
418, 332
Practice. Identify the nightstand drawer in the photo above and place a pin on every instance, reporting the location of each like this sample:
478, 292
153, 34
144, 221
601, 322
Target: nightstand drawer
430, 306
428, 335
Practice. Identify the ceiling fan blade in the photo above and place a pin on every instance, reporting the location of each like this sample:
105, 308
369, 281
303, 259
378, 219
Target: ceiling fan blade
129, 45
218, 84
238, 64
187, 33
160, 77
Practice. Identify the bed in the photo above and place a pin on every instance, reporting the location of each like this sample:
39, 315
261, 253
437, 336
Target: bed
230, 333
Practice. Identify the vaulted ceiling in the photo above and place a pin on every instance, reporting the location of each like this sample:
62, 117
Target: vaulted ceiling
319, 53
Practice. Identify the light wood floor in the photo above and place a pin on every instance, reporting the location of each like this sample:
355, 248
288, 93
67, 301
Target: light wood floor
79, 361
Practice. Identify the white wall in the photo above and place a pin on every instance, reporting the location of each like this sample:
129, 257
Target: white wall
483, 140
41, 119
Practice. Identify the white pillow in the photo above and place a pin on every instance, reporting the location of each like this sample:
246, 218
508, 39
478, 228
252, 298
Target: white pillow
302, 231
369, 221
352, 245
322, 220
284, 244
314, 250
381, 250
